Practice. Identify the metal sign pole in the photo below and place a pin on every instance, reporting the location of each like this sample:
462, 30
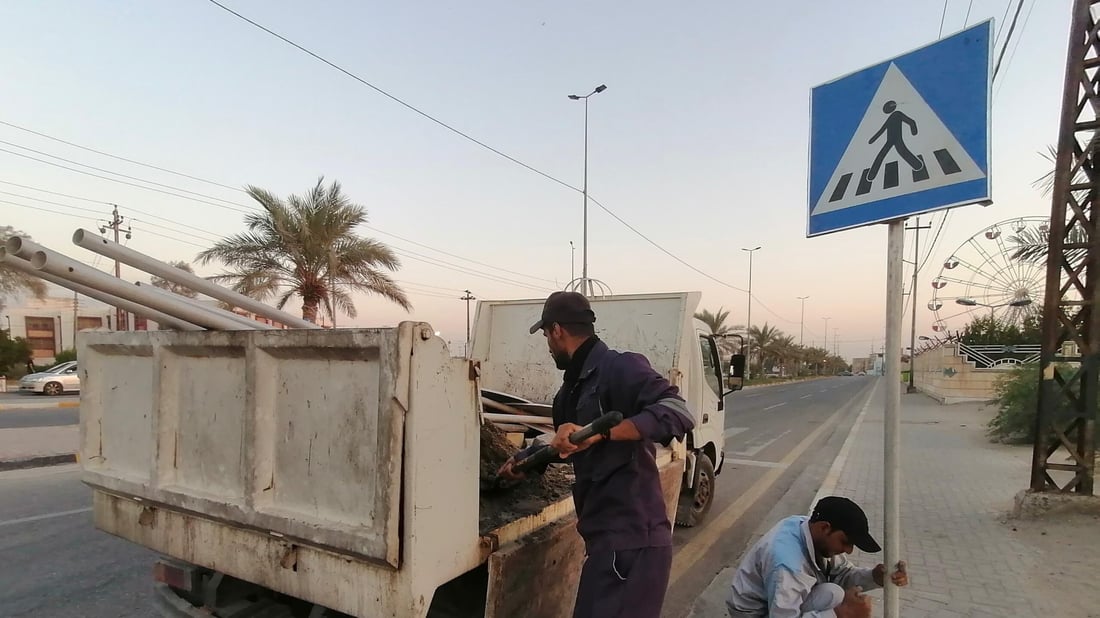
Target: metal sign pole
892, 416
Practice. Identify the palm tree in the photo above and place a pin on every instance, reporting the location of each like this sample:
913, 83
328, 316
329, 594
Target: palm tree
172, 286
716, 322
307, 247
15, 282
762, 341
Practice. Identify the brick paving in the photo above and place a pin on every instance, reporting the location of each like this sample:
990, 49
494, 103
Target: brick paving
966, 557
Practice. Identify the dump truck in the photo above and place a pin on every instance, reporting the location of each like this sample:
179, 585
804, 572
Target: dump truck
311, 472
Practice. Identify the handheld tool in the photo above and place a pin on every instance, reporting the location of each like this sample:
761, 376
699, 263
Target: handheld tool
547, 454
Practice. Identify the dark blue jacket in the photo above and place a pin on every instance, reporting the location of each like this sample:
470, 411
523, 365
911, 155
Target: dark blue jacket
617, 492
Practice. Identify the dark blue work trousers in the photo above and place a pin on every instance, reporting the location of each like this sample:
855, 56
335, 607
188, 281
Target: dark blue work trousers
624, 584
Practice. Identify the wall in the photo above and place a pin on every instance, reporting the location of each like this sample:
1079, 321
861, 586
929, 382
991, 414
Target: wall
950, 378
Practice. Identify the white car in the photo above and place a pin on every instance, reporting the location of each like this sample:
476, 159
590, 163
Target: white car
53, 381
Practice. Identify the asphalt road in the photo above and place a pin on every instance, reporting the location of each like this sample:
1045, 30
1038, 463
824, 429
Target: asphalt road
55, 563
781, 441
38, 417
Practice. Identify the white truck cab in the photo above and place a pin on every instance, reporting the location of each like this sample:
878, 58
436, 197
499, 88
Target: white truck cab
660, 326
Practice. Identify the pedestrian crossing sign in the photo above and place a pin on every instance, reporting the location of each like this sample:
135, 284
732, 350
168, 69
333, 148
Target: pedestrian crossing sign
907, 136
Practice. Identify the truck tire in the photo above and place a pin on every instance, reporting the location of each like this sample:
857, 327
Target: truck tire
695, 501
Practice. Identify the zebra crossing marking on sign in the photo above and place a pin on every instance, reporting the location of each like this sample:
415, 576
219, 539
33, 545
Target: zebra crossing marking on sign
900, 129
906, 136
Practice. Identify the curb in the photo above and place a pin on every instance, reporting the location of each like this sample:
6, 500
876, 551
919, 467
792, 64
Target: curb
40, 461
8, 407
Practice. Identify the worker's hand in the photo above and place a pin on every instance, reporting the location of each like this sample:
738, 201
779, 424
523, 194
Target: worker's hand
855, 604
508, 472
564, 447
899, 578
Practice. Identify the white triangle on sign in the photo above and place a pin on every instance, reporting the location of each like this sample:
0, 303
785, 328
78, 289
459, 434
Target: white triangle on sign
929, 159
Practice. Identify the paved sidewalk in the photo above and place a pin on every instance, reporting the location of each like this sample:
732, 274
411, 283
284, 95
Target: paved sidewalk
21, 401
966, 557
37, 446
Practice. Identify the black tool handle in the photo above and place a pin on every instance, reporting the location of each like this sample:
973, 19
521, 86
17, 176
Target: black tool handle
546, 455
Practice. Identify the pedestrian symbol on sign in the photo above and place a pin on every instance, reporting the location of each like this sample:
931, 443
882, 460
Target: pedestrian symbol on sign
895, 140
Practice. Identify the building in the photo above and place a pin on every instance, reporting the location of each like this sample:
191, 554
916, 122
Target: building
50, 324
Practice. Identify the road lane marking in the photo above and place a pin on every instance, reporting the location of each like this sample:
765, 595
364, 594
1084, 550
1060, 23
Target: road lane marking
756, 463
775, 406
752, 452
806, 396
27, 520
733, 431
694, 549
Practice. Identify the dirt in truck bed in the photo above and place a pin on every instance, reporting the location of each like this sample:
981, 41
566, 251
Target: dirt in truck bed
536, 492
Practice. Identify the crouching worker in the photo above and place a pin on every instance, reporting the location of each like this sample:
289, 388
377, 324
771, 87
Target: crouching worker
799, 569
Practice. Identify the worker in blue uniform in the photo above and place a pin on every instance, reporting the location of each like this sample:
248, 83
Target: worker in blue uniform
620, 506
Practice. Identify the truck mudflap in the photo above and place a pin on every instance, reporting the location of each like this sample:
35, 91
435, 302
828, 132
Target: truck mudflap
534, 575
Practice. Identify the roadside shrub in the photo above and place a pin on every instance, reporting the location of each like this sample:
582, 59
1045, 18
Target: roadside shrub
1017, 397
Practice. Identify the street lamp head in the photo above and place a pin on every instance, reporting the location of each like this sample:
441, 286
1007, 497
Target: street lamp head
966, 302
1022, 302
574, 97
924, 338
749, 250
600, 88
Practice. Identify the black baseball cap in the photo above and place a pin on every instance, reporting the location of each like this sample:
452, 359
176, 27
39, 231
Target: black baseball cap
565, 308
845, 515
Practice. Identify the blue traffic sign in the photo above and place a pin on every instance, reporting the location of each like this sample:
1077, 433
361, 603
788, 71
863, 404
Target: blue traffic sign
903, 137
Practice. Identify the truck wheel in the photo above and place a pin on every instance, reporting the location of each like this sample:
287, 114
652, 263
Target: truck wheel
53, 389
695, 501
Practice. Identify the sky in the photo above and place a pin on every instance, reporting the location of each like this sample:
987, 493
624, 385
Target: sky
699, 143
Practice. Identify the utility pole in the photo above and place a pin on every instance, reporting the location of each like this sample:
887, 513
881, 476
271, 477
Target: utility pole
76, 304
122, 321
468, 297
913, 301
836, 345
802, 321
572, 261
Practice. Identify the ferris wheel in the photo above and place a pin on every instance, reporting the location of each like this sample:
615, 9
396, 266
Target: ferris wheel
982, 278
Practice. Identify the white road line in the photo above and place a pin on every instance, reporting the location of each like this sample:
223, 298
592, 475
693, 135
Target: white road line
805, 397
833, 476
751, 452
775, 406
757, 464
733, 431
27, 520
750, 395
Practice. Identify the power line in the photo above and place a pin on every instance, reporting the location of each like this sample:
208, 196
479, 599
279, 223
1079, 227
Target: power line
27, 197
464, 135
75, 197
19, 154
420, 244
436, 262
105, 171
148, 231
40, 209
943, 16
107, 154
394, 98
1008, 37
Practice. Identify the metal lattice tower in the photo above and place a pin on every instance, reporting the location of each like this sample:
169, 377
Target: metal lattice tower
1070, 361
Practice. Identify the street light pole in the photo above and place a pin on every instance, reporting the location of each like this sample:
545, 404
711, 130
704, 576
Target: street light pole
748, 319
586, 287
802, 320
572, 261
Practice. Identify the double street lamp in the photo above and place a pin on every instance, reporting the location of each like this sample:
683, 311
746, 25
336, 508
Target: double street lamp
585, 285
748, 326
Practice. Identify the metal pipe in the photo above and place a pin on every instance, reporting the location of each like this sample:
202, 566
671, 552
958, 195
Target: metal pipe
162, 319
59, 265
92, 242
515, 418
240, 319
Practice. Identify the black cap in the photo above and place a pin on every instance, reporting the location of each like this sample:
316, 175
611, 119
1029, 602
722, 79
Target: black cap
565, 308
843, 514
